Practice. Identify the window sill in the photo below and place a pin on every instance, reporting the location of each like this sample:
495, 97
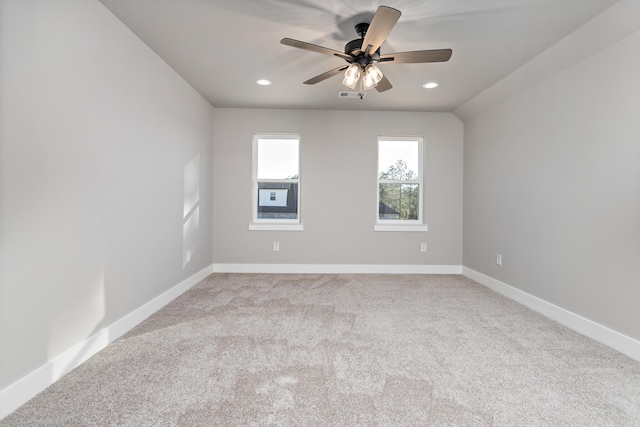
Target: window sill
401, 227
275, 227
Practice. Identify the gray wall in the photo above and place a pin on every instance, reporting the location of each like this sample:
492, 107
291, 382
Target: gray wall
338, 196
552, 182
95, 135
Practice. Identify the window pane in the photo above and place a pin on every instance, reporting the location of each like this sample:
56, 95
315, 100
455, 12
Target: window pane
277, 200
398, 201
277, 158
398, 160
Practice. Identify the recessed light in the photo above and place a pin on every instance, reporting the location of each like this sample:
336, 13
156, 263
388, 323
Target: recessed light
263, 82
430, 85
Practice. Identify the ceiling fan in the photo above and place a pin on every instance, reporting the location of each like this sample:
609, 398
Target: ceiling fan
363, 53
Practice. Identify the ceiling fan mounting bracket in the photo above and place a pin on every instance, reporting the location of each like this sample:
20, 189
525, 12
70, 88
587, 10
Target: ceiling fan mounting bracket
361, 29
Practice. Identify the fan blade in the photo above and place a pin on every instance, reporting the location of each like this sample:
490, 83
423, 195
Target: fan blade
418, 56
383, 84
315, 48
381, 25
324, 76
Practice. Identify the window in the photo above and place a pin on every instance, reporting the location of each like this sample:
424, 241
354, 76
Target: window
400, 184
276, 183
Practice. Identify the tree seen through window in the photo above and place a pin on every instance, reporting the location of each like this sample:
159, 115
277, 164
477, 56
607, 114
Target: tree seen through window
398, 200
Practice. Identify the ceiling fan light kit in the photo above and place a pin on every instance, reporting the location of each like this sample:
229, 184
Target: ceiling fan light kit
363, 53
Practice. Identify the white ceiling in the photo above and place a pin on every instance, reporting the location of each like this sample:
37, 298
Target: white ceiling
221, 47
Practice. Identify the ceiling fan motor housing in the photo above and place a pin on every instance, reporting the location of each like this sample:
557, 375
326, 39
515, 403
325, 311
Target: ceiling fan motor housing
354, 47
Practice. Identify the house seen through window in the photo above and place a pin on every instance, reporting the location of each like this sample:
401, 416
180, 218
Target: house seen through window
276, 179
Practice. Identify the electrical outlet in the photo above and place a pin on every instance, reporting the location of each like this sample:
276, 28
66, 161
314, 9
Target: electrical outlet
423, 247
499, 259
276, 246
188, 256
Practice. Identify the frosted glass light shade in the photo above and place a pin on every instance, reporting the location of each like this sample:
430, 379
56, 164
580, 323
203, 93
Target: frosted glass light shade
372, 76
351, 76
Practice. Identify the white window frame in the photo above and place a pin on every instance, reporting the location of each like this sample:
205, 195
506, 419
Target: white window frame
402, 224
265, 224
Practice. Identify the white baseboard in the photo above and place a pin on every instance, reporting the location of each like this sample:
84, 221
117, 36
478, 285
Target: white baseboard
337, 268
18, 393
596, 331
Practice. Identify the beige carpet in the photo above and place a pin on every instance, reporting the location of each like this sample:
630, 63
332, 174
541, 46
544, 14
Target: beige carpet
344, 350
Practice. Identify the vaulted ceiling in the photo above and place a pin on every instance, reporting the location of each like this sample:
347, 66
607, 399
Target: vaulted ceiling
221, 47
